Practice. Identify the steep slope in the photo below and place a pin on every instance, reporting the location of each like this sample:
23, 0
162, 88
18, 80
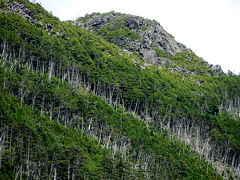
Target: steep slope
147, 38
132, 120
132, 33
124, 31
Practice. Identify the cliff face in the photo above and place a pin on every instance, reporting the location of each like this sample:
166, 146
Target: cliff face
139, 35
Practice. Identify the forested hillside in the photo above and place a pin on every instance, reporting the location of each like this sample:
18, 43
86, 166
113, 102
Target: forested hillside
78, 104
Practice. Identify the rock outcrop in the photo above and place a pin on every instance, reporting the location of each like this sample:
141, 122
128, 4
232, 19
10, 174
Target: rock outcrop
216, 68
146, 37
22, 10
150, 34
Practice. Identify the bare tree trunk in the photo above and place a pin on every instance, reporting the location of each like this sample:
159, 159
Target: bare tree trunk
55, 173
17, 173
69, 171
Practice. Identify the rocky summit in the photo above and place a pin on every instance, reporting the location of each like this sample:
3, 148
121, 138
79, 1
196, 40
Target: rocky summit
110, 96
144, 34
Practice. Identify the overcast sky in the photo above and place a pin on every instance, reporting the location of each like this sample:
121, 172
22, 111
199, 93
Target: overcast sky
211, 28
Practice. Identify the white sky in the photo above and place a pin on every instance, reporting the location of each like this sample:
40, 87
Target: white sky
211, 28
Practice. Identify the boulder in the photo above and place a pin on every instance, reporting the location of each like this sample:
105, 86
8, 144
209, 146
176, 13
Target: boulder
217, 68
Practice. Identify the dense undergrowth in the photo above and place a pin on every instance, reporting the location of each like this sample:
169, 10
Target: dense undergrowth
66, 149
70, 55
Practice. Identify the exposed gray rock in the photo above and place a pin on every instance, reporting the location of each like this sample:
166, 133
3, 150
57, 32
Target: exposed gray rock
23, 11
20, 9
199, 82
49, 27
150, 56
166, 61
151, 34
217, 68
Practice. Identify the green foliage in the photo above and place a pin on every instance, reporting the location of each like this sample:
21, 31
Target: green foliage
86, 17
171, 35
88, 53
144, 28
53, 144
61, 144
161, 53
111, 33
2, 3
7, 168
166, 95
190, 62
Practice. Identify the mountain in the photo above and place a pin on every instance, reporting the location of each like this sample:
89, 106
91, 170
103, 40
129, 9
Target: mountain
132, 33
110, 96
147, 38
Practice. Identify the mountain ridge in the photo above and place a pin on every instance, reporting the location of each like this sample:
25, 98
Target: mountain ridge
147, 122
143, 36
